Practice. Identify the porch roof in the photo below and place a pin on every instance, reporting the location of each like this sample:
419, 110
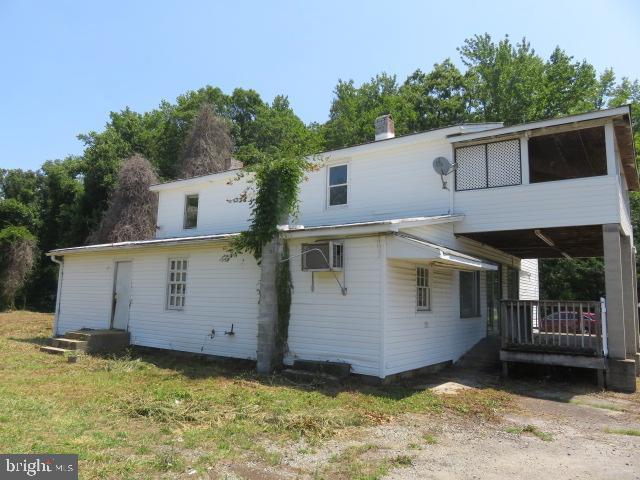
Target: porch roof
407, 247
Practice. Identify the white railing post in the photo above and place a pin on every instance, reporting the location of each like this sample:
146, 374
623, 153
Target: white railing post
603, 320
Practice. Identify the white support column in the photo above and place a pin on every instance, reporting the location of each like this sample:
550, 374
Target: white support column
524, 159
610, 148
614, 291
630, 305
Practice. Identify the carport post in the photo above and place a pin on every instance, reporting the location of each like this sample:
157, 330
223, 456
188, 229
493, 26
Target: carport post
621, 371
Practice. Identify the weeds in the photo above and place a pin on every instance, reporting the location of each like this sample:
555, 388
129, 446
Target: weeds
532, 429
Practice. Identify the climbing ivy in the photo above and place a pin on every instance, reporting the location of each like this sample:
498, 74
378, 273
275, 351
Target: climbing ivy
284, 286
272, 193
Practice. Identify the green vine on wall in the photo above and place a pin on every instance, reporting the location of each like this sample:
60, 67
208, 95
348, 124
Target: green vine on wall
284, 286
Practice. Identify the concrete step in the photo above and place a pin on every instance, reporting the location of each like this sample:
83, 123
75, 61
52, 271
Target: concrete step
78, 335
305, 376
69, 344
54, 350
337, 369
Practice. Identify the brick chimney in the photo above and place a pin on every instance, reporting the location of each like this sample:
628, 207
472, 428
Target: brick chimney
384, 127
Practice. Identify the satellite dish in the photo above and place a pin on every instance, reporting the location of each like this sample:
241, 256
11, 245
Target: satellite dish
443, 167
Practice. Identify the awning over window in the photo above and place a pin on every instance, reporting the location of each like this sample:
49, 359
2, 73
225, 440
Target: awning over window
412, 249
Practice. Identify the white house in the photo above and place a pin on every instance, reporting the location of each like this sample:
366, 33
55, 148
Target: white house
418, 270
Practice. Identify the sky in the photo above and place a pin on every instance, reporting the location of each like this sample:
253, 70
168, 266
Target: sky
64, 65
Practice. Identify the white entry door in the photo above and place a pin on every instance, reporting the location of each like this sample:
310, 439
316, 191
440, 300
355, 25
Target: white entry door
121, 296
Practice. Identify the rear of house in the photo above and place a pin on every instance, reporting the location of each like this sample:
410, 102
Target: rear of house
410, 274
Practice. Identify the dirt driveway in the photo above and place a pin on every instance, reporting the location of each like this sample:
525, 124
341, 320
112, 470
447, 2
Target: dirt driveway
552, 430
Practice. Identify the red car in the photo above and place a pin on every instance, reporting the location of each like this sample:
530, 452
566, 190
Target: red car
564, 322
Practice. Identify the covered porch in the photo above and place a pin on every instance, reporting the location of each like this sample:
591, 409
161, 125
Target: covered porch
600, 334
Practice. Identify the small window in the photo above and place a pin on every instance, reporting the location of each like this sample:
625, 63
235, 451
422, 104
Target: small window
337, 260
338, 185
469, 294
177, 284
423, 289
191, 211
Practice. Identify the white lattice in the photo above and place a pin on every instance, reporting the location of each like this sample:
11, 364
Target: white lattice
503, 160
471, 172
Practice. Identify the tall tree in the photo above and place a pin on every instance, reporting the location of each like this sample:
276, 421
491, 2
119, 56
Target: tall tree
208, 147
17, 256
133, 207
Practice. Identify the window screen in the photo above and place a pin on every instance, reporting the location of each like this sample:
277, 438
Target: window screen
469, 294
191, 211
177, 284
338, 185
489, 165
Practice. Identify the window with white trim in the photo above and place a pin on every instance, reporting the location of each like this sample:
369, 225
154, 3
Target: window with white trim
338, 185
423, 289
177, 283
191, 211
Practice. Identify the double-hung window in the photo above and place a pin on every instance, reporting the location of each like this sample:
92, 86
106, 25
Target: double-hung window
191, 212
423, 289
469, 294
338, 185
177, 284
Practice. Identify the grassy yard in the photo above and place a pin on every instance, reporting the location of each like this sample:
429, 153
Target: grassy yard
157, 416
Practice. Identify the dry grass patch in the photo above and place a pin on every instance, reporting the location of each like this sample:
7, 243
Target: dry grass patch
154, 415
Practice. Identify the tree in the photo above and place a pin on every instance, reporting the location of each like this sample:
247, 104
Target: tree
437, 98
133, 208
17, 256
208, 146
15, 213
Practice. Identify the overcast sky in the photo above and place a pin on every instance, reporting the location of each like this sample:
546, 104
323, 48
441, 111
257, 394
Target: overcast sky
66, 64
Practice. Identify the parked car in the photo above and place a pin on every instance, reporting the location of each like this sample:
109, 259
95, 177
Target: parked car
563, 322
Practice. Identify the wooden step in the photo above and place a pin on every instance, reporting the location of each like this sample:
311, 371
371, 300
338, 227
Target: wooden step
305, 376
54, 350
69, 344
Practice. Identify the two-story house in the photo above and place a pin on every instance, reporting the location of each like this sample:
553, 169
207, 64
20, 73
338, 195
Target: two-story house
395, 266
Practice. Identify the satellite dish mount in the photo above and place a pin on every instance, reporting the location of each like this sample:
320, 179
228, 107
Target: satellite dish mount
443, 167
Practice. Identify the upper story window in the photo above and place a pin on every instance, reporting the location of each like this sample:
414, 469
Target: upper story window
489, 165
565, 155
190, 211
338, 185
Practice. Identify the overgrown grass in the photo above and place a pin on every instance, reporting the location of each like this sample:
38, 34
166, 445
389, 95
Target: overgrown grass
532, 429
143, 415
624, 431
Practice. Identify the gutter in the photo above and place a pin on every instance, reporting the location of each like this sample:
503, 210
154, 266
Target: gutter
58, 292
364, 228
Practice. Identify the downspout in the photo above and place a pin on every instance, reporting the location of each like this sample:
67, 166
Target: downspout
59, 291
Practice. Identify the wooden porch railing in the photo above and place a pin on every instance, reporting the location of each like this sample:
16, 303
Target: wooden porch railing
553, 326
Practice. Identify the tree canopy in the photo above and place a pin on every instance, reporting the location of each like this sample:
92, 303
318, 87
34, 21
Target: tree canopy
63, 202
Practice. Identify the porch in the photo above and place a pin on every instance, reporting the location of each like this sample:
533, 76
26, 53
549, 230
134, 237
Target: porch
600, 335
550, 332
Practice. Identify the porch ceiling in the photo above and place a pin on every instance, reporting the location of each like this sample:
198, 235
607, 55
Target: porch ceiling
582, 241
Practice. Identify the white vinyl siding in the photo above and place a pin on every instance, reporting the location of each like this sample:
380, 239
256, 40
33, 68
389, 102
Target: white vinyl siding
414, 339
529, 285
220, 294
328, 326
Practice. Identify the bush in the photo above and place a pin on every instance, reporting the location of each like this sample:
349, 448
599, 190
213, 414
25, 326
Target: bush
17, 256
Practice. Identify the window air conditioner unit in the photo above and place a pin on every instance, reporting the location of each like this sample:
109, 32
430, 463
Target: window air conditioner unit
322, 256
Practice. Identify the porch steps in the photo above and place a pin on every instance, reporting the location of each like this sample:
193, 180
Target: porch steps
54, 350
90, 341
483, 356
